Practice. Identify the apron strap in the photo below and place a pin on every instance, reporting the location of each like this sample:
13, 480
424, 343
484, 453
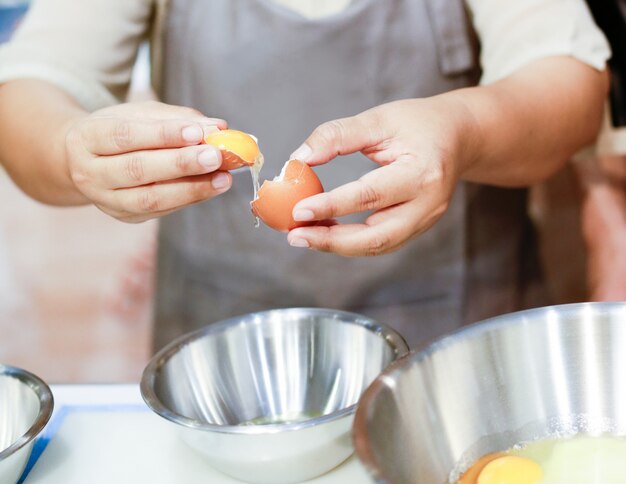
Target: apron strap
455, 48
159, 18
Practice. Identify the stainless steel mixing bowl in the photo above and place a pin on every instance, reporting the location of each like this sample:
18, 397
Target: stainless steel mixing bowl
551, 371
25, 408
270, 396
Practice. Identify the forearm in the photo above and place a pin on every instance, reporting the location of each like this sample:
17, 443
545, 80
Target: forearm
603, 207
34, 119
520, 130
603, 220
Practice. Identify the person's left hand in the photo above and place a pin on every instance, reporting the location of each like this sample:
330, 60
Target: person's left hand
421, 145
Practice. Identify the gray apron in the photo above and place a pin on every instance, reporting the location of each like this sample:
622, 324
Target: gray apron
273, 73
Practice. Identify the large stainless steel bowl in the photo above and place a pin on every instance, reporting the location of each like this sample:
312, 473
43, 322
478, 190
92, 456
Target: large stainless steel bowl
270, 396
550, 371
25, 408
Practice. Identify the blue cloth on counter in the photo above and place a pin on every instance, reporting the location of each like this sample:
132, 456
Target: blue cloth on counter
57, 420
9, 18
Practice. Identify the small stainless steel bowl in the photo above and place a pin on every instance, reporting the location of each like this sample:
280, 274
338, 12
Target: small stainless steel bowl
550, 371
270, 396
25, 407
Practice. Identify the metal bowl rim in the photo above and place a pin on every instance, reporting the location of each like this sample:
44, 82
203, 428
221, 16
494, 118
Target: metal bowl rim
390, 336
46, 405
387, 377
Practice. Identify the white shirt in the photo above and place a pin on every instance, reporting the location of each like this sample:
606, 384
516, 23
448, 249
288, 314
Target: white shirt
88, 47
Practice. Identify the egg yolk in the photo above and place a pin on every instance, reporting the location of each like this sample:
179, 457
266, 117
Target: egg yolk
471, 475
511, 470
237, 142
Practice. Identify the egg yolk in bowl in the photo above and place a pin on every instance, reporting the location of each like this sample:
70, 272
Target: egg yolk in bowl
581, 459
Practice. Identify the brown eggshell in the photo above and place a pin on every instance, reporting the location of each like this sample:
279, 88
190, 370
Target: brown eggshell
277, 198
230, 161
237, 148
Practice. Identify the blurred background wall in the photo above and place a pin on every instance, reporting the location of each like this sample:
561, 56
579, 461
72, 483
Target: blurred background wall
75, 284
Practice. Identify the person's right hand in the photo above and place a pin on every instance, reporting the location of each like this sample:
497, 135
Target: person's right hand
139, 161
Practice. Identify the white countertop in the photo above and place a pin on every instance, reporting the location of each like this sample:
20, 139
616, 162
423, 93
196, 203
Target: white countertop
106, 434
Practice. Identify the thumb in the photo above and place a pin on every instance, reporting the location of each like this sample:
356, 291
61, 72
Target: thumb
339, 137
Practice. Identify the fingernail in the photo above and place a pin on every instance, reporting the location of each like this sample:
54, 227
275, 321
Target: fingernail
212, 121
209, 160
208, 129
299, 243
220, 181
192, 134
302, 215
303, 153
218, 123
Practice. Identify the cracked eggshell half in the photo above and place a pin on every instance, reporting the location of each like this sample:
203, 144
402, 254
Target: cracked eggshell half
238, 148
277, 198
